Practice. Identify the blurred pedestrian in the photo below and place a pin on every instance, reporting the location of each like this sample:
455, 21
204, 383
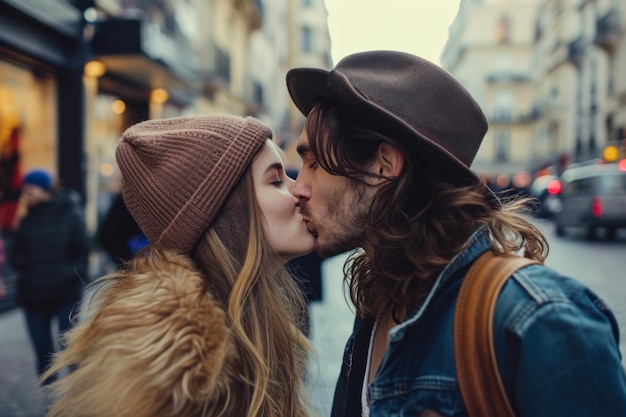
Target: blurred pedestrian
387, 148
119, 235
50, 255
204, 321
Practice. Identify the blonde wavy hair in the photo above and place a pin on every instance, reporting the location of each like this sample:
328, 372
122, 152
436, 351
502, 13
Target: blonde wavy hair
265, 311
232, 275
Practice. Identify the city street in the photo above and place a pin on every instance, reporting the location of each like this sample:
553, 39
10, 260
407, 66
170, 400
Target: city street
599, 264
525, 94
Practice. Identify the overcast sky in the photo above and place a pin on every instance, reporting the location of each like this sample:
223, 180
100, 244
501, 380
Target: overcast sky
416, 26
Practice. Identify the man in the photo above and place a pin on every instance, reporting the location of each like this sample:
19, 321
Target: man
387, 148
49, 254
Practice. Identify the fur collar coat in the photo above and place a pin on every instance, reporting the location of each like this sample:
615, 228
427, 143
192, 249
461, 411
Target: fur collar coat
151, 342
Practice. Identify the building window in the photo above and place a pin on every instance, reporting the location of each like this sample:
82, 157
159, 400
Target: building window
554, 96
503, 30
502, 145
502, 115
505, 62
503, 105
307, 39
222, 61
258, 93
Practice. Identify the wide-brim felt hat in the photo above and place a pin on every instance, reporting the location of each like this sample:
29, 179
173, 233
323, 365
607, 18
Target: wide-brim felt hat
411, 100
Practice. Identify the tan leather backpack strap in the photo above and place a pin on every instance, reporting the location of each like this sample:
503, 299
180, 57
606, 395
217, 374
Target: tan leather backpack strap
474, 352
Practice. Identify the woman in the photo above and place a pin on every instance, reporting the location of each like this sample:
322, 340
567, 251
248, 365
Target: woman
205, 321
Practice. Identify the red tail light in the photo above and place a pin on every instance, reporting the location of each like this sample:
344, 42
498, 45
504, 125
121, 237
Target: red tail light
554, 187
596, 207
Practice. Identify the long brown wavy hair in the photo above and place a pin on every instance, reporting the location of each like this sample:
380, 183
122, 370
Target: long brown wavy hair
265, 310
418, 221
232, 275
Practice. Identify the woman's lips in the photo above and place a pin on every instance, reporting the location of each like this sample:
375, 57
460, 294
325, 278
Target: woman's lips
308, 226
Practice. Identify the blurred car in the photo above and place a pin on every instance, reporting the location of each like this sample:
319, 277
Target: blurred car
593, 197
546, 190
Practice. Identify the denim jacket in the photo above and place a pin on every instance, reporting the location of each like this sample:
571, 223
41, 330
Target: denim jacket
556, 347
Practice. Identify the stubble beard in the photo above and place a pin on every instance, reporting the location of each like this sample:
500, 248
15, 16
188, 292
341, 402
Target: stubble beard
344, 222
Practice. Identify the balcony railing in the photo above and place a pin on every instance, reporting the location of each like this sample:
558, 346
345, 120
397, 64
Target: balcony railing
507, 77
507, 118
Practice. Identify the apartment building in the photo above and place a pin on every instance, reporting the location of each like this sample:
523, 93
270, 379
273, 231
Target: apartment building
310, 47
548, 74
579, 53
294, 33
490, 50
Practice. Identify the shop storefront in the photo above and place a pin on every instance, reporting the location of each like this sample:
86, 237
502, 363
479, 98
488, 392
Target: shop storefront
40, 99
73, 76
41, 105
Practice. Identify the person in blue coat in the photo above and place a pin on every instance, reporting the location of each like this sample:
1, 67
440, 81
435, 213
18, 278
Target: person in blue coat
50, 255
386, 151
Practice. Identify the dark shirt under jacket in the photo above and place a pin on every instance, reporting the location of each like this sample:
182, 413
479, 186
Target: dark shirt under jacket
50, 254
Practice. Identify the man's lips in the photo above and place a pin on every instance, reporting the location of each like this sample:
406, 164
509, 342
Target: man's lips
308, 226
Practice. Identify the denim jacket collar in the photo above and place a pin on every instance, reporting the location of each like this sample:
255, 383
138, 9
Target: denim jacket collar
477, 244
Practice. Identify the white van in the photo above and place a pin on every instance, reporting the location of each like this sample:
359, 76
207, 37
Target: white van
593, 196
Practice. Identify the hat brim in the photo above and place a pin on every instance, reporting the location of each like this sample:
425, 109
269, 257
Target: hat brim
308, 86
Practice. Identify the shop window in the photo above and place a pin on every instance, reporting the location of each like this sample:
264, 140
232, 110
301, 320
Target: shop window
28, 132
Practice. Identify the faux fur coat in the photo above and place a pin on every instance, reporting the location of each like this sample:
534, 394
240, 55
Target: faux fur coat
155, 344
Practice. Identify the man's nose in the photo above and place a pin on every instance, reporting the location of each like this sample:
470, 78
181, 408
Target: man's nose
301, 188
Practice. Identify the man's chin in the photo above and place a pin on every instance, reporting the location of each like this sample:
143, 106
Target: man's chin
326, 251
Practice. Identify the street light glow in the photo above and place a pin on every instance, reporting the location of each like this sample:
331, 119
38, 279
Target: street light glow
610, 153
95, 69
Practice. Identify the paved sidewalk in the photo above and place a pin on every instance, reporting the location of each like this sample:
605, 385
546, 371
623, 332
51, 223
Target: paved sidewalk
19, 392
331, 324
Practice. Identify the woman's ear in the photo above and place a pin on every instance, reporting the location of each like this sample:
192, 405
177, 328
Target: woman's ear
390, 160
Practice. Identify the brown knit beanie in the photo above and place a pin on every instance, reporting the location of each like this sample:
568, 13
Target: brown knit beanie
178, 173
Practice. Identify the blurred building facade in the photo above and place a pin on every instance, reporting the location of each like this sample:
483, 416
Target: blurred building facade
549, 74
276, 48
75, 74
